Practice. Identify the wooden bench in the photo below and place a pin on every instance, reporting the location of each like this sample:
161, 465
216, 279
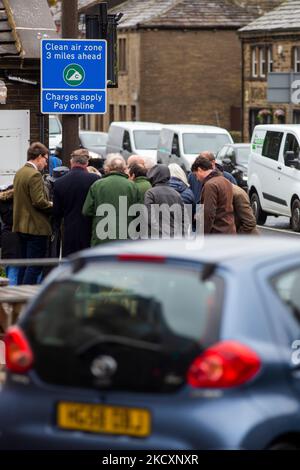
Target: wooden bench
12, 301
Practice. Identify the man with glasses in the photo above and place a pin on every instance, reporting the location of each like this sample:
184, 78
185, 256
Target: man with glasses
31, 210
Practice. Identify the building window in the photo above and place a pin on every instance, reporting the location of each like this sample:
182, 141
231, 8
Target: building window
133, 113
270, 58
296, 59
99, 122
111, 113
262, 61
296, 117
122, 55
122, 112
254, 62
259, 116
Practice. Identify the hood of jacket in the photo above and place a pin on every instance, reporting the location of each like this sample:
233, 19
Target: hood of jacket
177, 184
7, 194
159, 174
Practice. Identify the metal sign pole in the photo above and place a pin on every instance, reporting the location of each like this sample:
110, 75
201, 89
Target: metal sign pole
70, 124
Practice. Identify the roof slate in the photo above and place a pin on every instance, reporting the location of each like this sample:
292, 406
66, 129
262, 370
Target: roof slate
191, 13
284, 18
20, 24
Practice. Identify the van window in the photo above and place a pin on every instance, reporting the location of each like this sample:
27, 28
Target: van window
146, 140
165, 139
222, 152
126, 142
175, 146
54, 125
196, 143
272, 144
291, 144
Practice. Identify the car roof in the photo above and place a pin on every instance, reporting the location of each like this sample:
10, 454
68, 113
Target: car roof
222, 250
236, 145
137, 125
196, 128
92, 132
240, 145
279, 127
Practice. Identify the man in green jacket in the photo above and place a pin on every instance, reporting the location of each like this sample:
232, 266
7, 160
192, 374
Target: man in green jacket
31, 211
109, 200
137, 173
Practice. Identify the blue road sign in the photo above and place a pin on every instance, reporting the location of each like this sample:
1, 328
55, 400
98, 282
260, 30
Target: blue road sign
73, 76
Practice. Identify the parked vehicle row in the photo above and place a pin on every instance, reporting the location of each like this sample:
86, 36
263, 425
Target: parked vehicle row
269, 167
165, 143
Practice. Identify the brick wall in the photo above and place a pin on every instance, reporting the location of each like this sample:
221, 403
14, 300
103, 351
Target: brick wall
180, 77
128, 92
190, 76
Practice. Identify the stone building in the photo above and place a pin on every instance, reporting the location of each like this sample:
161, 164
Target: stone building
179, 61
22, 25
269, 44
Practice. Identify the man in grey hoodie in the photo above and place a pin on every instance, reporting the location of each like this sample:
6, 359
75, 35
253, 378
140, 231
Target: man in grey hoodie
164, 205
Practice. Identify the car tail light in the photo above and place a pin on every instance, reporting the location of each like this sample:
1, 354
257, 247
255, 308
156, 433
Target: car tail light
224, 365
18, 354
142, 258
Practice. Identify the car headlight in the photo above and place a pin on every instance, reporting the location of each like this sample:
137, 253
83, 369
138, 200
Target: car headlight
245, 177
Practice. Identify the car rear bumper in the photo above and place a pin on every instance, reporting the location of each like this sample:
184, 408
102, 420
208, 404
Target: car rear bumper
28, 421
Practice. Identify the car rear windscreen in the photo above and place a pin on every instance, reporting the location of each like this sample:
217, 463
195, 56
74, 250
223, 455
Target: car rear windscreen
150, 320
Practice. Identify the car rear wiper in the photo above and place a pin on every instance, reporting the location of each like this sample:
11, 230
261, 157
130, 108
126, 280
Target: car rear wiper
123, 340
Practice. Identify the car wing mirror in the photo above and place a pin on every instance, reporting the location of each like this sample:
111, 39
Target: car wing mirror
291, 160
227, 161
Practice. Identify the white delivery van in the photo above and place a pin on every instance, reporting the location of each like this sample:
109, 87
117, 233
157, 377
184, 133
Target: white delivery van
55, 132
274, 172
14, 142
182, 143
128, 138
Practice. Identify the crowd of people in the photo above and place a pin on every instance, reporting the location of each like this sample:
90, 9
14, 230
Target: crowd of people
68, 210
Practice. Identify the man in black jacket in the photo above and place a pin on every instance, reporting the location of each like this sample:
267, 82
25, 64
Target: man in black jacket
164, 221
68, 198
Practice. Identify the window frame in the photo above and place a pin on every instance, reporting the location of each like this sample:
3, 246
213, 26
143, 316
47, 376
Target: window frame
122, 55
296, 59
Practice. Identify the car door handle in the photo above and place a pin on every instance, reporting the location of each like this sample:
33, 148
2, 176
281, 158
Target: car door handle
279, 168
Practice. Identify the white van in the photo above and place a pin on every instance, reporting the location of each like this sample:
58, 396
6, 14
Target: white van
128, 138
55, 131
182, 143
274, 172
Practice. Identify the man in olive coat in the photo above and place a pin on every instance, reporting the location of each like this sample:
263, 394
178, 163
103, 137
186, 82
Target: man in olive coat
244, 218
108, 201
31, 210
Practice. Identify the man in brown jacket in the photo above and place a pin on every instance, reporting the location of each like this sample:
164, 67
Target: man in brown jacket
244, 218
31, 211
217, 196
